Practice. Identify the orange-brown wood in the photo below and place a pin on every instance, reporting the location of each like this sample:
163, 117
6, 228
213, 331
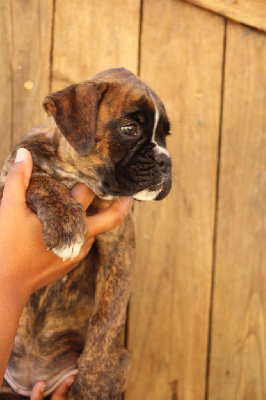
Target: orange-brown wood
238, 351
249, 12
6, 81
31, 32
91, 36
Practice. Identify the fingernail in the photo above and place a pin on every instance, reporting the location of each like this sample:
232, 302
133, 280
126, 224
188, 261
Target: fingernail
42, 387
128, 201
127, 205
21, 155
70, 381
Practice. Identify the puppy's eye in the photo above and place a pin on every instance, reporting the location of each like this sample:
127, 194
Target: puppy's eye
130, 129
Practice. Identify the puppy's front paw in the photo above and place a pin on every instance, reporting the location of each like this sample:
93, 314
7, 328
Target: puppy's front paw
65, 229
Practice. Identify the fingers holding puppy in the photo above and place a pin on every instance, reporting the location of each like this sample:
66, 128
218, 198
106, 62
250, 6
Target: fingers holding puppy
83, 194
110, 217
105, 219
60, 392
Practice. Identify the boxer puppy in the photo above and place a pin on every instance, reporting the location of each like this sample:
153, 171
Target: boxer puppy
109, 133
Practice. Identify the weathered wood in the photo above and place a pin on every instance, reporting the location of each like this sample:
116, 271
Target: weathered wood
31, 31
238, 351
249, 12
93, 36
181, 59
6, 87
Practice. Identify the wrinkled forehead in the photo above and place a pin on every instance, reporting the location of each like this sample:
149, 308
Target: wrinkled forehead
127, 94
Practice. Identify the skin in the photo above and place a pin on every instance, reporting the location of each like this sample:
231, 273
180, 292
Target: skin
25, 264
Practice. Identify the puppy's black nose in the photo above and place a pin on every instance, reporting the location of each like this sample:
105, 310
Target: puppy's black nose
164, 161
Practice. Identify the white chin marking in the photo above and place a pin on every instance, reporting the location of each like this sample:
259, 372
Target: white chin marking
146, 195
70, 251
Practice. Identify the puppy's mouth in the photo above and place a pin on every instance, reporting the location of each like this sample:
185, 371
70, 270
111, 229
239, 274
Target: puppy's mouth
146, 194
144, 172
154, 187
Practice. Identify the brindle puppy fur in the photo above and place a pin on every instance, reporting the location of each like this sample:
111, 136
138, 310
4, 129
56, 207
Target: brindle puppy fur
78, 320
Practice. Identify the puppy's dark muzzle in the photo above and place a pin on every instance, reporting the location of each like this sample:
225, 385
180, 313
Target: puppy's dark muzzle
148, 170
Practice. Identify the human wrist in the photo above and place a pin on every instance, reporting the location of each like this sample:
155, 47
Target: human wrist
13, 296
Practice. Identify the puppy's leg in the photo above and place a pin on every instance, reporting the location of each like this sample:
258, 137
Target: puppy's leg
104, 364
63, 218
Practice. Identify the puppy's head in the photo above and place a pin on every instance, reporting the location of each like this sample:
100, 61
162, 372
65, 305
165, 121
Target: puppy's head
117, 127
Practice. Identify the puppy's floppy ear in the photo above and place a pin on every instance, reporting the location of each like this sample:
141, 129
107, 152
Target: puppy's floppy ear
75, 110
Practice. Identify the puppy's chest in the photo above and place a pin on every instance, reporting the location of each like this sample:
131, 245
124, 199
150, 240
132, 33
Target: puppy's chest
63, 173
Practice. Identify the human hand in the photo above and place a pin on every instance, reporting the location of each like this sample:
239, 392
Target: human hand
60, 392
26, 265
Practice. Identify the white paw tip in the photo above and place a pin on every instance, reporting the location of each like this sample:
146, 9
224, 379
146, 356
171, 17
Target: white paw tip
68, 252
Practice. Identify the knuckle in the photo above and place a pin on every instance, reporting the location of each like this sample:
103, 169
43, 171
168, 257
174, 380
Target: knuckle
119, 217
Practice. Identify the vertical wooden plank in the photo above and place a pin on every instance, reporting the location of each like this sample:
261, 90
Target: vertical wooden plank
181, 59
25, 41
31, 30
93, 36
5, 80
238, 354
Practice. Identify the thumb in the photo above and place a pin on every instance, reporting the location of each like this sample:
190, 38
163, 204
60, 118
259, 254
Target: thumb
18, 179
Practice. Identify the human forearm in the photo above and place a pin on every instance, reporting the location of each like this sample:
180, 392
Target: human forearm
11, 306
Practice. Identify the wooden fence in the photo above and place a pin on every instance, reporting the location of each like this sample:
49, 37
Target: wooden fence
197, 317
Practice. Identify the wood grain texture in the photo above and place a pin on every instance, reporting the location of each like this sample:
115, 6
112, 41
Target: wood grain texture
181, 59
93, 36
249, 12
6, 86
31, 30
238, 352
